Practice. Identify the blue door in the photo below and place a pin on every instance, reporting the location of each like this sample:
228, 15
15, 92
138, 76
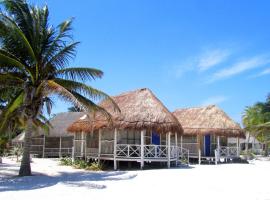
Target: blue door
207, 145
155, 138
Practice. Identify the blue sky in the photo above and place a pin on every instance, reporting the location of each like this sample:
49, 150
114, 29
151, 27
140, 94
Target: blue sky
189, 53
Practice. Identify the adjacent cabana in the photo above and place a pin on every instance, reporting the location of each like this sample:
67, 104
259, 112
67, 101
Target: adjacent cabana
144, 131
58, 142
207, 129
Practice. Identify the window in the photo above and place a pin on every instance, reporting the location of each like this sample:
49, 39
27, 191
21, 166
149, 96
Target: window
92, 139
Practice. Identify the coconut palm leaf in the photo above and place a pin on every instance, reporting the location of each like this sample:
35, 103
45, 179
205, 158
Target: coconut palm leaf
79, 73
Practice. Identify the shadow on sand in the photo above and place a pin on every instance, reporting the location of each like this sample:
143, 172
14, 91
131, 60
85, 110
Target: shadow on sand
76, 179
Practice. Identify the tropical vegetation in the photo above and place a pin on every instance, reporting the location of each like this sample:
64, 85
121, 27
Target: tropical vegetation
34, 60
256, 120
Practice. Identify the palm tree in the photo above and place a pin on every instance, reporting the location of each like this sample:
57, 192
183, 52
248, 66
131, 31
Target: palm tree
251, 118
33, 60
256, 120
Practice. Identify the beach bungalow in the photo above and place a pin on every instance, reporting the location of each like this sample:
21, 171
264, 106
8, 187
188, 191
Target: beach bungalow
57, 143
144, 131
206, 133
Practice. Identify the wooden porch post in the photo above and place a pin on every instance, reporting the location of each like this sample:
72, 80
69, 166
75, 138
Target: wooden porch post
177, 149
142, 148
44, 146
199, 149
85, 147
60, 147
115, 150
238, 147
218, 143
169, 150
99, 144
82, 144
73, 148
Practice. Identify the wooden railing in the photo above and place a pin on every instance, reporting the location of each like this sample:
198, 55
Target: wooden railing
226, 152
151, 151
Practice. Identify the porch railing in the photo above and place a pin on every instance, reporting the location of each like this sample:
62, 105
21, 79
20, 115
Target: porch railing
151, 151
226, 152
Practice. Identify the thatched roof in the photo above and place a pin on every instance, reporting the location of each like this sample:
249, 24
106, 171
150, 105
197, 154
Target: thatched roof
207, 120
59, 126
61, 122
140, 110
18, 138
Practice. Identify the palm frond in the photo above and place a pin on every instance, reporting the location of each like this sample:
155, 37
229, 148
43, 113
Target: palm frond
90, 106
87, 91
15, 28
54, 88
9, 110
79, 73
62, 57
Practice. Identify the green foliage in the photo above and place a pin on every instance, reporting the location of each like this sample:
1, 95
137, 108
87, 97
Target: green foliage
256, 120
82, 164
3, 144
66, 161
95, 166
34, 59
16, 151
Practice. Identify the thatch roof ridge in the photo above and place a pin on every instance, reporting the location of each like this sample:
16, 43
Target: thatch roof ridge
140, 109
207, 120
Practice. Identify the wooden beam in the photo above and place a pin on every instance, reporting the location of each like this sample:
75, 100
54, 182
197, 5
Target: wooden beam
44, 146
85, 147
115, 150
73, 148
99, 144
218, 142
82, 144
238, 147
60, 147
199, 149
177, 152
142, 148
169, 150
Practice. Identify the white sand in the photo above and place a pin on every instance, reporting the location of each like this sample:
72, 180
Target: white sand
226, 181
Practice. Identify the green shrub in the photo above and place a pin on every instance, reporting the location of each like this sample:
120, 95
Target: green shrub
16, 151
80, 164
66, 161
95, 166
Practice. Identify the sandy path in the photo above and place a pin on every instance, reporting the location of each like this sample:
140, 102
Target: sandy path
227, 181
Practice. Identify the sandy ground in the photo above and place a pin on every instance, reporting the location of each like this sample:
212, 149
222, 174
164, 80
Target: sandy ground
51, 181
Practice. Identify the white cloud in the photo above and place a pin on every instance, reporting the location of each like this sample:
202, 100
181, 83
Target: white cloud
214, 100
202, 62
212, 58
263, 73
240, 67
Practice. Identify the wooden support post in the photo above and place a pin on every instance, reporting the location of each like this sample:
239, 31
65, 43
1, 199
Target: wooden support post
60, 147
238, 147
177, 149
218, 142
99, 145
169, 150
82, 144
73, 148
142, 148
44, 146
115, 150
199, 149
199, 158
218, 149
85, 147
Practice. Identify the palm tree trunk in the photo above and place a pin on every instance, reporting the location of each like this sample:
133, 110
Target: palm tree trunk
247, 142
266, 149
25, 169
